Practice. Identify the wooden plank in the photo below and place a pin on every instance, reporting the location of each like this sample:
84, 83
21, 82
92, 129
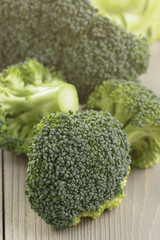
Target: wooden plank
20, 221
136, 218
1, 197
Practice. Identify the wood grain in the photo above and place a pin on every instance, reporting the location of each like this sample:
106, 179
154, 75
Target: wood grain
137, 218
1, 197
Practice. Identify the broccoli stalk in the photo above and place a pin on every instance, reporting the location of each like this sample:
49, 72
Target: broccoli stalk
144, 145
46, 98
23, 105
138, 109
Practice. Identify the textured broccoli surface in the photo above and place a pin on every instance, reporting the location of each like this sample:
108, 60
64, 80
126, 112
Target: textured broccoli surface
29, 91
74, 37
138, 109
78, 165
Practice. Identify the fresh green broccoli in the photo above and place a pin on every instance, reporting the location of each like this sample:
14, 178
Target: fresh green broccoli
138, 16
72, 36
29, 91
78, 166
138, 109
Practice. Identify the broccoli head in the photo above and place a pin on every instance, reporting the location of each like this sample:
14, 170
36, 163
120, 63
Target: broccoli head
138, 109
78, 166
29, 91
72, 36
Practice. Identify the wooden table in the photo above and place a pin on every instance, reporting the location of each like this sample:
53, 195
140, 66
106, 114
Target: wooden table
137, 218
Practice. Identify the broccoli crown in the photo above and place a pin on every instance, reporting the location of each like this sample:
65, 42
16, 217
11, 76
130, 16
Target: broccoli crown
76, 162
104, 51
138, 108
72, 36
29, 91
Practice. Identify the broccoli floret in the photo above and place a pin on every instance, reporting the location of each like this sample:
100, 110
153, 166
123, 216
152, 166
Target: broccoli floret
138, 109
74, 37
29, 91
78, 165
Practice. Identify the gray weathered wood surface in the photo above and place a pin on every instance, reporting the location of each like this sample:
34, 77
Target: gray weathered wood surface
137, 218
1, 198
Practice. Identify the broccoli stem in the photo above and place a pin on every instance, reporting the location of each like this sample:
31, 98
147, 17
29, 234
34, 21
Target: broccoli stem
58, 96
144, 145
31, 89
135, 133
54, 99
24, 112
14, 105
122, 114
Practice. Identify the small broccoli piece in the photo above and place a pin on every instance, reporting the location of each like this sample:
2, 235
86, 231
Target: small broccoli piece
72, 36
28, 92
138, 109
78, 166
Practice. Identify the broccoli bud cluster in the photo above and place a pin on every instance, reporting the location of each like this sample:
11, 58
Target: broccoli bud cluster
29, 91
72, 36
138, 109
77, 165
